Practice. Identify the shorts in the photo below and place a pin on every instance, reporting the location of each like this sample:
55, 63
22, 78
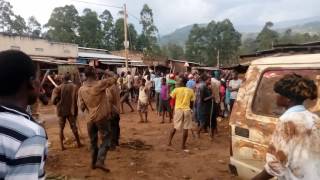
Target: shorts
142, 107
164, 105
182, 119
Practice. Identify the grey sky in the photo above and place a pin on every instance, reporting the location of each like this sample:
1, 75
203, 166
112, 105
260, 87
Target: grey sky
172, 14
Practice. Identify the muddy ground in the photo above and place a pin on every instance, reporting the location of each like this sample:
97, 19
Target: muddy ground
143, 153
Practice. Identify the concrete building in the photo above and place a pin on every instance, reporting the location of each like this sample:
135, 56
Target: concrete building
39, 48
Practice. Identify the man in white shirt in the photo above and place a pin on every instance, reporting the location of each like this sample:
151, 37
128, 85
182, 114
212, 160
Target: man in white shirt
129, 80
157, 87
234, 86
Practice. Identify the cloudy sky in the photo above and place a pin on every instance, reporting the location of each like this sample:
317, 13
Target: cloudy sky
172, 14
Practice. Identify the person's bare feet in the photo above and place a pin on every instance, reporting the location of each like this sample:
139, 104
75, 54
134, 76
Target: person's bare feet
100, 166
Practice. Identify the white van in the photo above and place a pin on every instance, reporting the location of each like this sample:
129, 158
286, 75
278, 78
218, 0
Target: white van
255, 112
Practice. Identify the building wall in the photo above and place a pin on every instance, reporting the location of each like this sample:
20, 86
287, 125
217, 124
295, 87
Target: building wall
38, 47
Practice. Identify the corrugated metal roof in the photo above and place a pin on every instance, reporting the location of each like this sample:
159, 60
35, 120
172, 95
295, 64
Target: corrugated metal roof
293, 59
58, 62
99, 56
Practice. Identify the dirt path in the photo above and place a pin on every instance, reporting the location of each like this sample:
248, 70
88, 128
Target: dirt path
152, 159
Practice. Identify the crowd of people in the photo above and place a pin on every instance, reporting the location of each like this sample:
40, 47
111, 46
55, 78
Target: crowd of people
190, 100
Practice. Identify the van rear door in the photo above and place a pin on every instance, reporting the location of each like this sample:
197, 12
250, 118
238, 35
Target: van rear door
256, 113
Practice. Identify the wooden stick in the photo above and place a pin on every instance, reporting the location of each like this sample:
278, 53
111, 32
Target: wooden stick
52, 81
44, 77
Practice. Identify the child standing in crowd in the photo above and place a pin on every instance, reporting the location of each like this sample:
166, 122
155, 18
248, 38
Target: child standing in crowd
222, 97
172, 85
143, 101
164, 100
148, 85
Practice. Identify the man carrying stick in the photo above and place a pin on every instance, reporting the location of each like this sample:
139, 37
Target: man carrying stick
92, 97
65, 98
113, 93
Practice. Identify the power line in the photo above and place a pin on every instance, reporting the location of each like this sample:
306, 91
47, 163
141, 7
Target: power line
107, 5
98, 4
135, 17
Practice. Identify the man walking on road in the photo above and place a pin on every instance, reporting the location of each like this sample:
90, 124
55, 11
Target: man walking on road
93, 98
65, 98
23, 142
182, 120
113, 93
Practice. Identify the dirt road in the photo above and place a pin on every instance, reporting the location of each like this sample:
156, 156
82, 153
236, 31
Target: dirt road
143, 153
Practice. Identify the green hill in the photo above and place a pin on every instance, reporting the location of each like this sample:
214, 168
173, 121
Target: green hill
308, 25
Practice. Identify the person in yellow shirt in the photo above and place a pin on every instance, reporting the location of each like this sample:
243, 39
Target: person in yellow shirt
182, 117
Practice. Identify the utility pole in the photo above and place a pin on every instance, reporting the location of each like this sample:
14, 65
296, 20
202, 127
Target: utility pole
126, 43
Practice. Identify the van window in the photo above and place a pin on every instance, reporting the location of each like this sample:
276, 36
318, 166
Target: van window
264, 102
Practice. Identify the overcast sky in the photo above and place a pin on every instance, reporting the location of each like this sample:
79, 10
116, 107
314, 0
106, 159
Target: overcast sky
172, 14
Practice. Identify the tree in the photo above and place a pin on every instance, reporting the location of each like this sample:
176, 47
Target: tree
107, 30
119, 35
63, 24
267, 37
175, 51
19, 25
248, 46
132, 36
196, 45
6, 16
90, 33
148, 38
287, 37
204, 44
227, 42
34, 27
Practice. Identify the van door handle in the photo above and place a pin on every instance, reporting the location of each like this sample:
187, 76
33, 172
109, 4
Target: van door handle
243, 132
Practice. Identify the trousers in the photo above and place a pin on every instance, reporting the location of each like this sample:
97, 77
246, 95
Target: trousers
115, 130
98, 154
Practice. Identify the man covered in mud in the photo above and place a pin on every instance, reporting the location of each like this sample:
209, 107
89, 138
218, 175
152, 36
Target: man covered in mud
65, 97
294, 150
93, 98
113, 94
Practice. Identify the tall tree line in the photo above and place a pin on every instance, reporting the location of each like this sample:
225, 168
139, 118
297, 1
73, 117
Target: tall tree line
88, 29
268, 37
217, 41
